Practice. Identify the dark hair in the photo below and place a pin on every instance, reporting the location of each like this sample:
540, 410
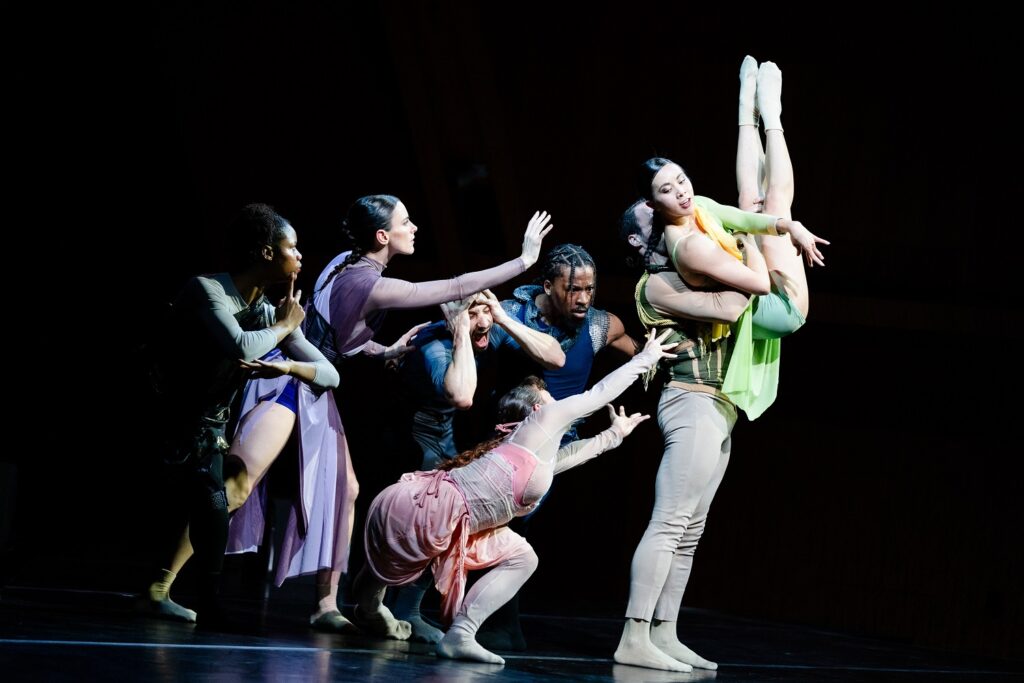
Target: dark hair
571, 256
644, 179
253, 228
515, 406
365, 217
629, 226
645, 175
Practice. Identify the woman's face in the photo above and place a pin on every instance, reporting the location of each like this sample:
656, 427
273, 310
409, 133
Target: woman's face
402, 235
672, 193
286, 254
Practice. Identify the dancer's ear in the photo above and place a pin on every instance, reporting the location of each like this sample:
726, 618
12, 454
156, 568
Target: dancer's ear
383, 237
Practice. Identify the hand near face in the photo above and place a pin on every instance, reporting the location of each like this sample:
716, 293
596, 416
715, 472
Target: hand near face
289, 309
498, 313
456, 314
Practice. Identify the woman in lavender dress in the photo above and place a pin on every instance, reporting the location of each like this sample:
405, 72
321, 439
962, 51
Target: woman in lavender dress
349, 302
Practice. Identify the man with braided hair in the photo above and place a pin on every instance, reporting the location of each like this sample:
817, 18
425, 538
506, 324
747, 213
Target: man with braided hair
561, 305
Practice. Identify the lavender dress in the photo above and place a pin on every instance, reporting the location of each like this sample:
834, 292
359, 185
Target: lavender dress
321, 517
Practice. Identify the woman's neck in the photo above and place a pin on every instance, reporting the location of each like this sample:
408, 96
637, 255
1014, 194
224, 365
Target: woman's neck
681, 222
381, 256
249, 285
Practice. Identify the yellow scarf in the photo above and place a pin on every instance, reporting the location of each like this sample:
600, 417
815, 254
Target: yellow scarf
710, 226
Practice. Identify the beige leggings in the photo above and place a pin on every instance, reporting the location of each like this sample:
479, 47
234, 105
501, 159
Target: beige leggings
697, 429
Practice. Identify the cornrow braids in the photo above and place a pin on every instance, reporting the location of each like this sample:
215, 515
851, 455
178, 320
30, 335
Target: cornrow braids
571, 256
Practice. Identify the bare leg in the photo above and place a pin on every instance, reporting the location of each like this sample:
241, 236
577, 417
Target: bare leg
779, 252
327, 615
157, 599
258, 441
371, 615
260, 438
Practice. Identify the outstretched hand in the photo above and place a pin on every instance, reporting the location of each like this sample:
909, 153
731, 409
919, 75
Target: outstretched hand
655, 343
536, 230
402, 345
805, 241
622, 423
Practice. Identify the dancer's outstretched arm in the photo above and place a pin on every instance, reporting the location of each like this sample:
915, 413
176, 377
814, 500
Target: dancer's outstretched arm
578, 452
543, 430
390, 293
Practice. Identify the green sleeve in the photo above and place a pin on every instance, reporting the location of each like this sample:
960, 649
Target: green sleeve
735, 220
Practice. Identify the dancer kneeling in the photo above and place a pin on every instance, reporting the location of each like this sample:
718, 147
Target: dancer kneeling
453, 520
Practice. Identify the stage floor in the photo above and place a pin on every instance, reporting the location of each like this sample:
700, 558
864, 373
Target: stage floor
55, 635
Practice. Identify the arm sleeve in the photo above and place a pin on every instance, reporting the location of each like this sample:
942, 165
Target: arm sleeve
217, 312
554, 419
437, 357
394, 293
578, 452
738, 220
297, 347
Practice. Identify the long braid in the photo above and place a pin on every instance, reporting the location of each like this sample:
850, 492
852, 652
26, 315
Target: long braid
654, 239
359, 229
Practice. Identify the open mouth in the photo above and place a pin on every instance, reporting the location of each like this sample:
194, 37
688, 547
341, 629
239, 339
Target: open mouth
480, 339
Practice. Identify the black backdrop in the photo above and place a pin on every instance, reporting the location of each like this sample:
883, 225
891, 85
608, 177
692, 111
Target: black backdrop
879, 495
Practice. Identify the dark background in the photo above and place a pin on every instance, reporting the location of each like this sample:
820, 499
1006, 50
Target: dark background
879, 495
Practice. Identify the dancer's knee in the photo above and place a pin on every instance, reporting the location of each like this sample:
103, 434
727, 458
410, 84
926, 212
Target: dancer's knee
666, 532
689, 540
525, 559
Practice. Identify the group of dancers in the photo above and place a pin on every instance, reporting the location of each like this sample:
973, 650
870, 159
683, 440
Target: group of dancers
721, 287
